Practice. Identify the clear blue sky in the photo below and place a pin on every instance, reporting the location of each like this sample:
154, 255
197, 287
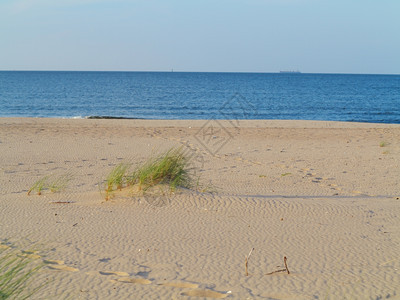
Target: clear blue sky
335, 36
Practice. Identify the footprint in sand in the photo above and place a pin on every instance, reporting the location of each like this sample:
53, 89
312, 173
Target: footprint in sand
125, 277
108, 273
59, 265
63, 268
29, 254
53, 262
132, 280
187, 285
206, 294
196, 293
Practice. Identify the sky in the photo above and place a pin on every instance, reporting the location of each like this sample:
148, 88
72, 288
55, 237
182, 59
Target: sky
312, 36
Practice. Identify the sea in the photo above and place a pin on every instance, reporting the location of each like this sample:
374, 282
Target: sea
193, 95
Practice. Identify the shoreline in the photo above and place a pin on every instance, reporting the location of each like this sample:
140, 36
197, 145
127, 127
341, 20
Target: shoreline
257, 123
323, 194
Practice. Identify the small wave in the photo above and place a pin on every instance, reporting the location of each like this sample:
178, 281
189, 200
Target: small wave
62, 117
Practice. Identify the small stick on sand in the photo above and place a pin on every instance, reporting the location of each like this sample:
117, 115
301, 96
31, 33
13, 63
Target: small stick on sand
282, 270
247, 260
278, 271
284, 260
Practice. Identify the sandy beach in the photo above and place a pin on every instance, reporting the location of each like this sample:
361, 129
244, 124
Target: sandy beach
325, 195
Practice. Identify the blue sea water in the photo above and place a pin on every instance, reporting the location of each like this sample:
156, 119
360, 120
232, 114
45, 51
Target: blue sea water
181, 95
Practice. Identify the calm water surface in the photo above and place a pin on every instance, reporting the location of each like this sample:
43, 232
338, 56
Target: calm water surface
175, 95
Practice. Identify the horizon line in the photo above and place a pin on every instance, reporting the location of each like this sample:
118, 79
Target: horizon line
174, 71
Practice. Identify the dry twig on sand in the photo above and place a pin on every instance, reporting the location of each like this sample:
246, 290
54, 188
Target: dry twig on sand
247, 261
286, 269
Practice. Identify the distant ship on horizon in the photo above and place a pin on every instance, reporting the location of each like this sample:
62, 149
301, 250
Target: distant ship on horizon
291, 72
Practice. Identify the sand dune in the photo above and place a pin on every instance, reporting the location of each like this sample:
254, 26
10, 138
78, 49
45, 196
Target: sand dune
323, 194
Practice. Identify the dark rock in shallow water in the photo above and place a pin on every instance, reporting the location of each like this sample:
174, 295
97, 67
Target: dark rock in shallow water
110, 117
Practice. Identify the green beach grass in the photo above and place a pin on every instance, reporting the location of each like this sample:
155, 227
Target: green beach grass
16, 274
171, 169
39, 186
53, 183
117, 177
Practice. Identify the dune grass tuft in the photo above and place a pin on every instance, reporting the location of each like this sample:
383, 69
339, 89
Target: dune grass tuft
15, 275
170, 169
55, 184
116, 178
39, 185
60, 183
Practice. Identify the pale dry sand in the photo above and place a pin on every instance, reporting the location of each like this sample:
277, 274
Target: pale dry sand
323, 194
